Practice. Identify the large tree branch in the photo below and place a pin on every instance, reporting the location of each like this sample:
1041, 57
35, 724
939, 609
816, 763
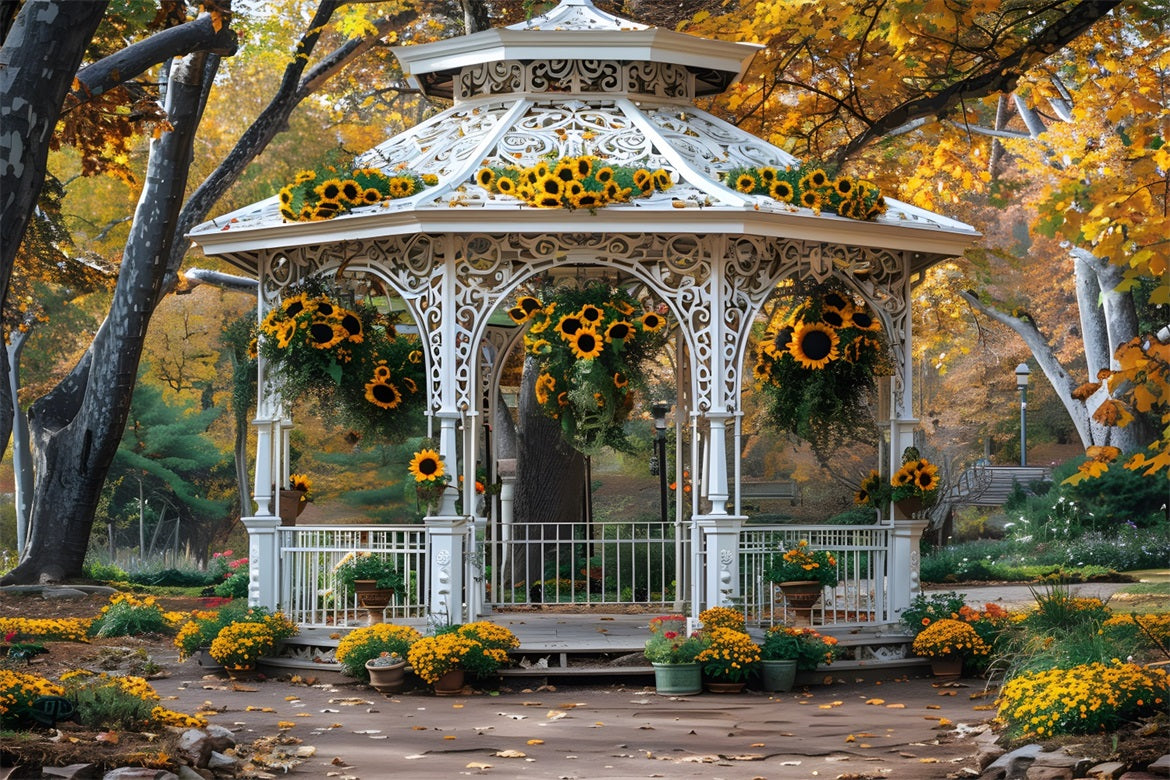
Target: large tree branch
126, 64
997, 76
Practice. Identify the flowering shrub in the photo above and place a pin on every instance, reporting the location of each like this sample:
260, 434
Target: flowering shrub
664, 623
1139, 630
1081, 700
812, 187
364, 644
926, 608
729, 656
479, 648
949, 639
203, 626
47, 629
722, 617
127, 615
240, 645
317, 195
584, 182
806, 646
433, 656
591, 344
801, 562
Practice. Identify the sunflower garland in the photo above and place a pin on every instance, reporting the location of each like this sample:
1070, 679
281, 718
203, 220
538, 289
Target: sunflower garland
812, 187
350, 361
584, 182
318, 195
589, 344
816, 364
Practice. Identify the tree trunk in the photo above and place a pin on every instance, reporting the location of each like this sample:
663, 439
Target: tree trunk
1094, 333
550, 476
38, 61
76, 428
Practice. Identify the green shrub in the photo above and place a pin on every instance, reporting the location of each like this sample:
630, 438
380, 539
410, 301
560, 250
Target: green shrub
364, 644
103, 572
128, 615
235, 586
111, 707
926, 608
173, 578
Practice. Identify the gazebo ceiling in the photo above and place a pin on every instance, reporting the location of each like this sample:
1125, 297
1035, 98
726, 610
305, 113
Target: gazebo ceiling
578, 81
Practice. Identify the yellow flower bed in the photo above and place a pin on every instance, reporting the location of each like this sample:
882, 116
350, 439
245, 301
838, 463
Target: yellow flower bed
433, 656
1157, 624
18, 690
47, 629
1082, 700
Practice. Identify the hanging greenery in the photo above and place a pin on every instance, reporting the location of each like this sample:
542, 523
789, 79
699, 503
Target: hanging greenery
317, 195
349, 359
584, 182
591, 344
816, 365
812, 187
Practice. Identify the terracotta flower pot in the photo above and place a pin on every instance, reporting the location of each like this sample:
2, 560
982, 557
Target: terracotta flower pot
372, 599
723, 686
801, 595
948, 668
450, 684
387, 679
292, 503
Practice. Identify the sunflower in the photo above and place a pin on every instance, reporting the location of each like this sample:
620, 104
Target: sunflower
619, 330
767, 175
324, 210
844, 186
384, 394
862, 320
371, 196
783, 338
323, 307
485, 177
351, 191
810, 199
562, 399
662, 180
590, 315
814, 345
545, 385
381, 372
762, 370
644, 180
328, 190
589, 200
833, 317
518, 315
285, 333
401, 187
625, 307
410, 385
926, 476
604, 174
550, 185
569, 325
505, 185
415, 356
540, 347
652, 321
781, 191
565, 170
352, 324
818, 178
304, 176
745, 182
547, 201
620, 380
426, 466
325, 334
573, 191
286, 196
586, 344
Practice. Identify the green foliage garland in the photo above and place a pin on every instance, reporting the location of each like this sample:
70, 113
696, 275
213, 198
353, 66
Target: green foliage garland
816, 366
591, 344
812, 187
351, 361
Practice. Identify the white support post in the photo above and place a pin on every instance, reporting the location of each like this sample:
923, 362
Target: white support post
263, 561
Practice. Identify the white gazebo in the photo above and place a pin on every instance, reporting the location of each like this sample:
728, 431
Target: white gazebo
580, 81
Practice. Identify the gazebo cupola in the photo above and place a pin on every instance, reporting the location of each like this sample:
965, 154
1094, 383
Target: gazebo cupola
571, 82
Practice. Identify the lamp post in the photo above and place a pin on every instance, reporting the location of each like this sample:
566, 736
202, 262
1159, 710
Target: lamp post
1022, 373
659, 410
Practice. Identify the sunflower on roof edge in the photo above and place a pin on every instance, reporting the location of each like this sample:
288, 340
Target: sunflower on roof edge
581, 182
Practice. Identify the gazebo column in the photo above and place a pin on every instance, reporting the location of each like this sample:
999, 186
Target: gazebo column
902, 581
718, 530
445, 537
263, 539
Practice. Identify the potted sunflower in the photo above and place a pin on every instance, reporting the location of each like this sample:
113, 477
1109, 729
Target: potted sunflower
430, 476
295, 498
914, 486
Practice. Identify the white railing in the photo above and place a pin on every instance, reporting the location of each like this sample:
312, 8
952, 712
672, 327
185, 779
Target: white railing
594, 563
860, 595
309, 592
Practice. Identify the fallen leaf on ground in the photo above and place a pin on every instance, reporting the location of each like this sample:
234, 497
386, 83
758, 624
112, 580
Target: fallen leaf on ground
478, 765
536, 742
875, 702
895, 706
510, 754
555, 714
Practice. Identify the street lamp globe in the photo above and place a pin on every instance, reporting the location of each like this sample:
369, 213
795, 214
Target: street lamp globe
1022, 373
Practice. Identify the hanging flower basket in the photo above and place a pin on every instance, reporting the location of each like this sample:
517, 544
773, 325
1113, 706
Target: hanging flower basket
591, 344
816, 365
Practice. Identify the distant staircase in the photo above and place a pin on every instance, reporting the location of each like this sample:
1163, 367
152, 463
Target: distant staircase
982, 485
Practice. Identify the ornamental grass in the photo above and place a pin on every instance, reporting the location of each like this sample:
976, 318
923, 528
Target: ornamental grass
1083, 699
127, 615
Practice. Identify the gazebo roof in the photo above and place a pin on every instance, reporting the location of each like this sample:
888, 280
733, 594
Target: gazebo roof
578, 81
